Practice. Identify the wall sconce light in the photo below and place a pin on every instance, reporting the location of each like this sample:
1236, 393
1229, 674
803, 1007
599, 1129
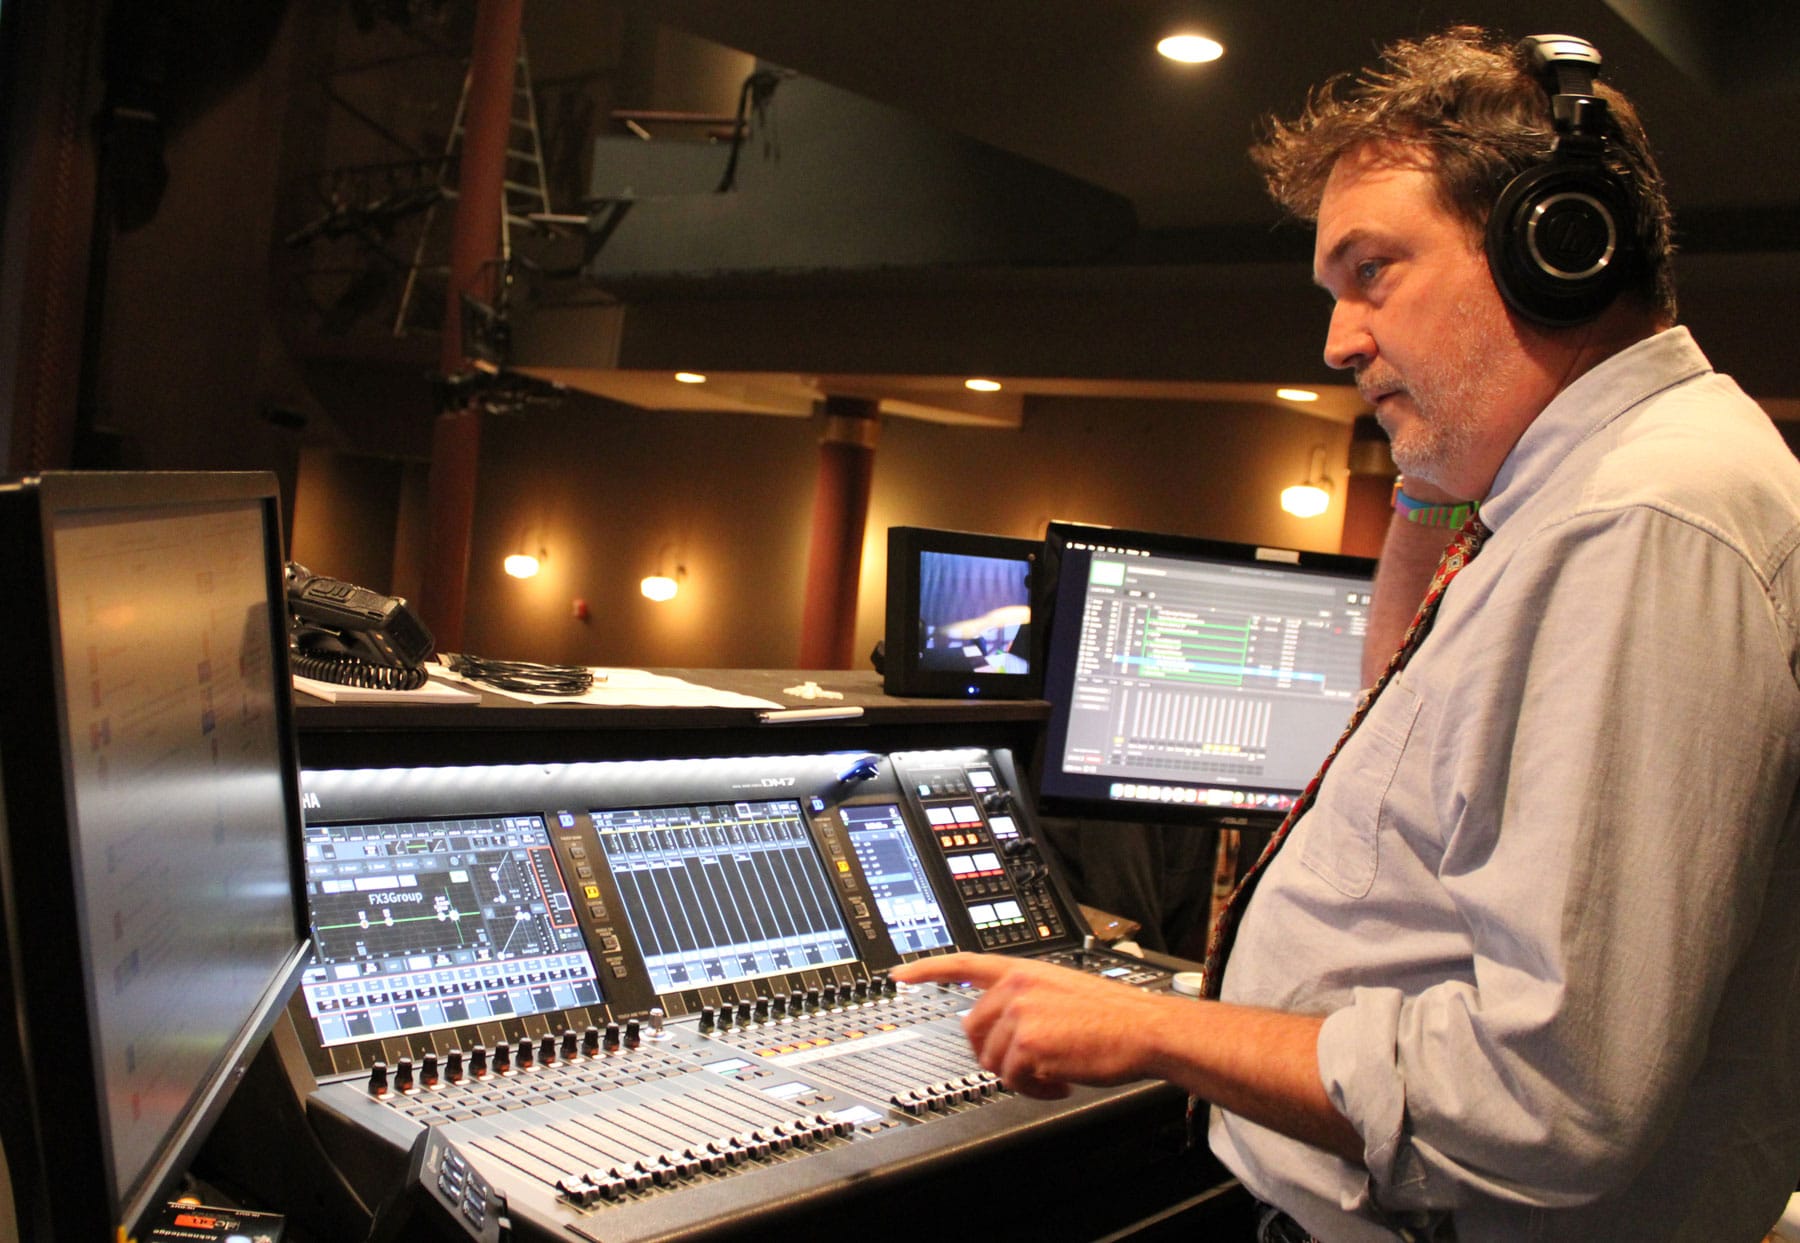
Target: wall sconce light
521, 563
659, 586
1312, 498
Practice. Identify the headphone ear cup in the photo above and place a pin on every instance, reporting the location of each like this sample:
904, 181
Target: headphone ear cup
1560, 242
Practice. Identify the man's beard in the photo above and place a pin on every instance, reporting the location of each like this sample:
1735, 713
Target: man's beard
1450, 395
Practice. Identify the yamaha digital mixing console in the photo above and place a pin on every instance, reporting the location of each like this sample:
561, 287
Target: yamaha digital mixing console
642, 1000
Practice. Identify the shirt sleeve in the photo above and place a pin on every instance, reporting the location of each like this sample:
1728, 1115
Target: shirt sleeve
1611, 775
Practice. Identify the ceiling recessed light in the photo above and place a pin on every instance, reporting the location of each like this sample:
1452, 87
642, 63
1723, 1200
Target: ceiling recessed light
1296, 394
690, 377
1191, 49
982, 386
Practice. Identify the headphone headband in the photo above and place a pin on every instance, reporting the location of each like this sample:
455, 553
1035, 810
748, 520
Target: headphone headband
1560, 242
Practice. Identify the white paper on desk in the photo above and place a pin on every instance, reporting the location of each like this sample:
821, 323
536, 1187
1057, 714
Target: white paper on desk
430, 693
629, 688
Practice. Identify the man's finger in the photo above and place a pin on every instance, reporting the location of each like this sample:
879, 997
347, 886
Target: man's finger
981, 970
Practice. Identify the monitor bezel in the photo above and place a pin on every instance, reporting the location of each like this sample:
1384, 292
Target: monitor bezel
56, 1134
1054, 793
903, 642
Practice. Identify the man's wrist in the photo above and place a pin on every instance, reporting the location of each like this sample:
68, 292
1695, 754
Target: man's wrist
1447, 514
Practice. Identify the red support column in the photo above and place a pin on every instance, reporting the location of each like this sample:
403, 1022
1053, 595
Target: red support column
840, 513
474, 258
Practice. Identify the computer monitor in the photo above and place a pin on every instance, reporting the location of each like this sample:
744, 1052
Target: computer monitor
959, 615
1192, 680
152, 902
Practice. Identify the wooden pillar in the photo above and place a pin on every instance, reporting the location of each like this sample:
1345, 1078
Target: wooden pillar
474, 270
1368, 501
840, 513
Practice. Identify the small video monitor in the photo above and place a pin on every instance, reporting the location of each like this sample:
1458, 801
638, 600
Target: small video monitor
959, 615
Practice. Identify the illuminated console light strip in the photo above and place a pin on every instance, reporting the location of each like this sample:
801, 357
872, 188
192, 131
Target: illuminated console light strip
1209, 797
859, 1044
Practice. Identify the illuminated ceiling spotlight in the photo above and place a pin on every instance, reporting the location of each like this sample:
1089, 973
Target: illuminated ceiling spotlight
1296, 394
689, 377
1312, 498
982, 386
1191, 49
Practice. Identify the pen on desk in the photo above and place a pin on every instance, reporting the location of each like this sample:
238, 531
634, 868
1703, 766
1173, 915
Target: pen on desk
784, 716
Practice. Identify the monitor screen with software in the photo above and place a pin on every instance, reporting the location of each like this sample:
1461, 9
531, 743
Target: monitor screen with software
153, 906
1191, 680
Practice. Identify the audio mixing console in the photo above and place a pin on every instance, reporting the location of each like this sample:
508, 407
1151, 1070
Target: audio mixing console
647, 999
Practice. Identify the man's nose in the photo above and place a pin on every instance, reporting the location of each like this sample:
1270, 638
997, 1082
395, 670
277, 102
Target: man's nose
1348, 342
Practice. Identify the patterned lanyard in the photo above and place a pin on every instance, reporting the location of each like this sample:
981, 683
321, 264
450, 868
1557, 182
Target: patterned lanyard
1460, 552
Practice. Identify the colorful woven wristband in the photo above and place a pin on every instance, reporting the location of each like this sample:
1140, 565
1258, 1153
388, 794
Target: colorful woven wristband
1450, 516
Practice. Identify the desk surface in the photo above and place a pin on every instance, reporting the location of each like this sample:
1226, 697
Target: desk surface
500, 729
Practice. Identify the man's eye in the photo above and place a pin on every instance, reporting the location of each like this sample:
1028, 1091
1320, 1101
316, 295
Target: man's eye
1368, 270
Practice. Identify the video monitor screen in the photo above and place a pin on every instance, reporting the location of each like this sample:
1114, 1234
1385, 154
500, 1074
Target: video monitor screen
959, 614
418, 926
723, 893
1190, 678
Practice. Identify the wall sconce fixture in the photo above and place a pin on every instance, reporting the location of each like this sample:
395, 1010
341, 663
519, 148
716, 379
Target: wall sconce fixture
1312, 498
660, 586
523, 564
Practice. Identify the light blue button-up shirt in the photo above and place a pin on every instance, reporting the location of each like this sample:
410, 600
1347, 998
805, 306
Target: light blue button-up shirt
1549, 895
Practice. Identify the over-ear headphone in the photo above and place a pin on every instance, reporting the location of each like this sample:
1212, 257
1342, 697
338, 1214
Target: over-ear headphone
1562, 241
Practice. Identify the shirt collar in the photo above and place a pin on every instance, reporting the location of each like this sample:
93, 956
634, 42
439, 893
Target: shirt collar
1594, 400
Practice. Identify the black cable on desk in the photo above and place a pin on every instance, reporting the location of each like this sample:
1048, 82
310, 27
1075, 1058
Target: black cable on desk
521, 676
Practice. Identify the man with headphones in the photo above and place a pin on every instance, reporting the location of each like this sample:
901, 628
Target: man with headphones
1526, 968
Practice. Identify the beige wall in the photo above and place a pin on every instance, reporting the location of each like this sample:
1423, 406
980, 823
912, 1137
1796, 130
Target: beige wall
603, 490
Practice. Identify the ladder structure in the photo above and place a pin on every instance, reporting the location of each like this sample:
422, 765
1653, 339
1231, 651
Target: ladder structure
527, 190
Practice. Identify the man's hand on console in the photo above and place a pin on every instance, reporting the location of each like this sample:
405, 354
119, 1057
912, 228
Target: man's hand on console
1041, 1027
